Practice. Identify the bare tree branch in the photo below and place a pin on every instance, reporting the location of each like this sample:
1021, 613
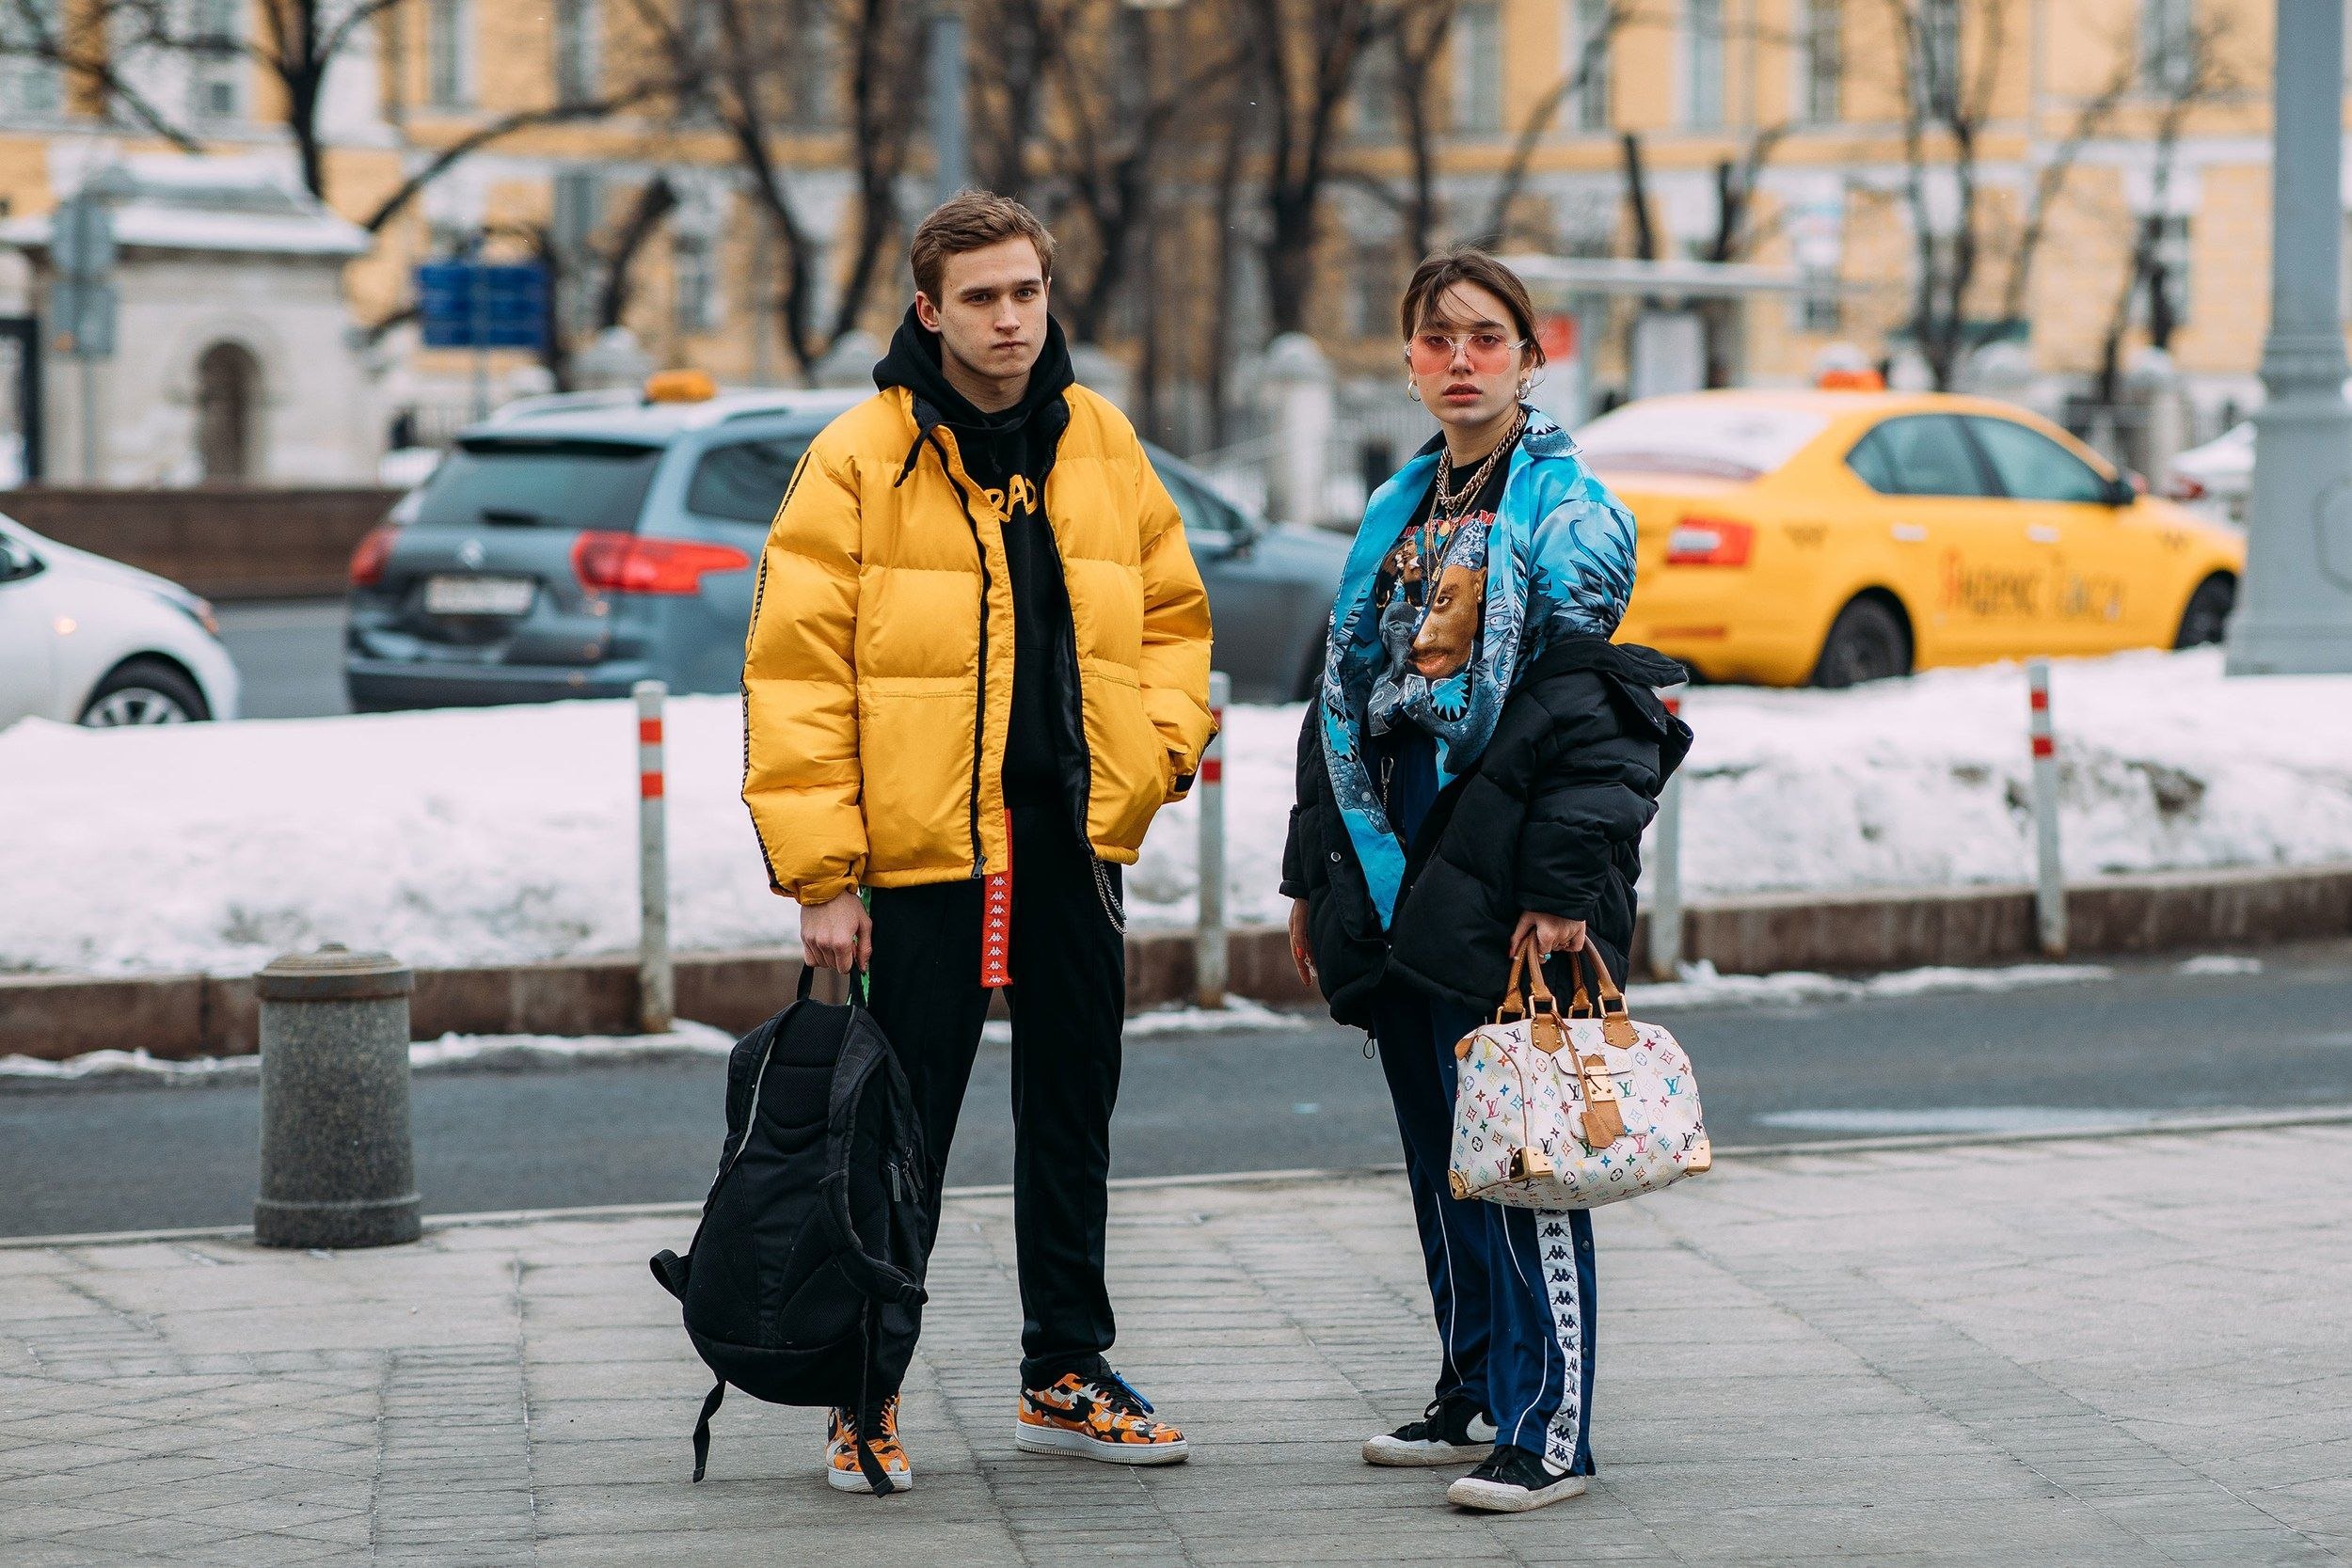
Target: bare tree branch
503, 126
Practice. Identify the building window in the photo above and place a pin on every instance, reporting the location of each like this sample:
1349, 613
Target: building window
1820, 60
2167, 269
1478, 68
694, 291
2167, 43
572, 233
1703, 63
1818, 309
1376, 91
579, 51
1372, 301
228, 381
816, 67
1589, 56
30, 86
216, 59
449, 53
1935, 58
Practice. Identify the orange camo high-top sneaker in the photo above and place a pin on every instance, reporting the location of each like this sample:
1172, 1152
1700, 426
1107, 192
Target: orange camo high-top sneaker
1095, 1417
841, 1470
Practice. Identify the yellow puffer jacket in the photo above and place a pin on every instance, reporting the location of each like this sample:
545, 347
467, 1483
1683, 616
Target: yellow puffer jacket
878, 671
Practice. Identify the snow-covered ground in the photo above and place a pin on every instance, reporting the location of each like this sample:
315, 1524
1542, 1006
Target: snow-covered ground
486, 837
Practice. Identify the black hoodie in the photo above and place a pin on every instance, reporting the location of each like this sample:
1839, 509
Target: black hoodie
1019, 441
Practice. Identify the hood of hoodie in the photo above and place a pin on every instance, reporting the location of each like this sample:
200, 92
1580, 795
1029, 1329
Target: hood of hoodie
913, 363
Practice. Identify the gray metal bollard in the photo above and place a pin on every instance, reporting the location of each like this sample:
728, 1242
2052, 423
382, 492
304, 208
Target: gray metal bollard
338, 1166
1666, 929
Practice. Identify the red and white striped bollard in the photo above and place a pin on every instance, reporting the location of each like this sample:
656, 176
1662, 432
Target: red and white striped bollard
1209, 939
657, 988
2049, 878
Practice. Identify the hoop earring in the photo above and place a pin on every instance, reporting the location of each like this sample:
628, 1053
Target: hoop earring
1412, 390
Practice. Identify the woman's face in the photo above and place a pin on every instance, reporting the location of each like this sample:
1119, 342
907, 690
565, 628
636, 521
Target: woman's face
1471, 380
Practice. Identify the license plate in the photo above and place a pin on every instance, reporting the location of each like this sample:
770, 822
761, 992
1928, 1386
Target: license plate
477, 595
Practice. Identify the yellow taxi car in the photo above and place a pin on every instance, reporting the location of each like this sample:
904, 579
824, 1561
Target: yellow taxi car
1833, 537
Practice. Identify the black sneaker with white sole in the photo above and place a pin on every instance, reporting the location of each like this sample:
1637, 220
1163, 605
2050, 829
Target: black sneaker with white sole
1450, 1432
1513, 1480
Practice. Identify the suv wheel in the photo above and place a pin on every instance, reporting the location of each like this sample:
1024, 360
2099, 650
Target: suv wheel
144, 691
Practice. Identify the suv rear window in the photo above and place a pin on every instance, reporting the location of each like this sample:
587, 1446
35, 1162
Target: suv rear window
744, 479
543, 483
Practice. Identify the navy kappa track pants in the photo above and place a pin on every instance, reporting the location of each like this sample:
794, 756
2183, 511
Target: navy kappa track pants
1514, 1288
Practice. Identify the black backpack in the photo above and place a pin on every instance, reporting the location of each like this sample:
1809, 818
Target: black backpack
804, 1284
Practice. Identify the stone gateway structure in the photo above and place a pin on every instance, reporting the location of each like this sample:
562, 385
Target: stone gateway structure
235, 359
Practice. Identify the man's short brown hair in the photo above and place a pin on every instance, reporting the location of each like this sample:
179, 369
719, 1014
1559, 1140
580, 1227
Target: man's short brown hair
1469, 264
973, 220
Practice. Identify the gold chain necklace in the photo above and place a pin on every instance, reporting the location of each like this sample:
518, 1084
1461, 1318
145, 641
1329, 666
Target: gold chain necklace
1453, 505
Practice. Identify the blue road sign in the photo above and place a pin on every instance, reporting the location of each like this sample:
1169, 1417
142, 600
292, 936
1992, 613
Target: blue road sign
482, 305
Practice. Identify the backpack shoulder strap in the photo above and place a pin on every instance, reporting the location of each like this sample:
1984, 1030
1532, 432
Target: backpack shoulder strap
864, 1052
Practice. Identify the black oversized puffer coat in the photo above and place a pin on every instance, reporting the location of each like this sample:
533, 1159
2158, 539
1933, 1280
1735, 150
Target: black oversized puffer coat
1550, 818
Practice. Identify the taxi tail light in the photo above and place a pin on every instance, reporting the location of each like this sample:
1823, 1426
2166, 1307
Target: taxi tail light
367, 561
625, 564
1709, 542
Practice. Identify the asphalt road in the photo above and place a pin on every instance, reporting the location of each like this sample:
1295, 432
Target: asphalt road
290, 653
2151, 1041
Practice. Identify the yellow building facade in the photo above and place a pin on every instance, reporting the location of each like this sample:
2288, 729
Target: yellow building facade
2078, 133
2074, 146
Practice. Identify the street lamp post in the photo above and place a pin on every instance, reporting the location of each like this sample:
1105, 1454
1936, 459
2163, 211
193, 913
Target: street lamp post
2294, 607
951, 131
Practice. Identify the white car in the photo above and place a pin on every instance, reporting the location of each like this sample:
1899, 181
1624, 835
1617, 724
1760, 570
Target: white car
88, 641
2216, 476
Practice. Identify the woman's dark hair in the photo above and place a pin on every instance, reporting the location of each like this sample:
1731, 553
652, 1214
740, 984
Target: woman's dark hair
1468, 265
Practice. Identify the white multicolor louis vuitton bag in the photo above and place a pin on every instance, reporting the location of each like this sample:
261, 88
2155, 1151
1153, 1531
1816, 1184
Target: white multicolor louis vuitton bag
1572, 1112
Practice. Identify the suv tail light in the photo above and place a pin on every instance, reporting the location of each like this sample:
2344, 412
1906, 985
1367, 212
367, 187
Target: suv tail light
625, 564
1706, 542
367, 561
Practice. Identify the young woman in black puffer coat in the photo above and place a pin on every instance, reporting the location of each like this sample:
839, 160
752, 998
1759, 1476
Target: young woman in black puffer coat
1475, 776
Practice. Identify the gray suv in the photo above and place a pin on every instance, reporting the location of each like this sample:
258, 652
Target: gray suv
572, 545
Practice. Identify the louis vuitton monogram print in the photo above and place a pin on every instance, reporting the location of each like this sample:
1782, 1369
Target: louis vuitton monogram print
1512, 1097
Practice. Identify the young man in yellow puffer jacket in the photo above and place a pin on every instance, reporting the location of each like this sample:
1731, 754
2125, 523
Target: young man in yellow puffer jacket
978, 665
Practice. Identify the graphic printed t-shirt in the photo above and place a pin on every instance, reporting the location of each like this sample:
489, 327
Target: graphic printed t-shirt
1430, 599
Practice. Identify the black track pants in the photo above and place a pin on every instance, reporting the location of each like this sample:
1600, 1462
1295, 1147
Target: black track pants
1068, 996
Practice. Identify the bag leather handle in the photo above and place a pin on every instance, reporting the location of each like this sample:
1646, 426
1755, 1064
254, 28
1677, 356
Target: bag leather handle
1527, 986
1616, 1022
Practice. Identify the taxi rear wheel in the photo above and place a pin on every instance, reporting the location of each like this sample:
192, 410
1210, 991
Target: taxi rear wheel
1868, 641
2207, 617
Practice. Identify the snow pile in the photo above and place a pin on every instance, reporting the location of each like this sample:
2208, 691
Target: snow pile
502, 835
2162, 764
1702, 986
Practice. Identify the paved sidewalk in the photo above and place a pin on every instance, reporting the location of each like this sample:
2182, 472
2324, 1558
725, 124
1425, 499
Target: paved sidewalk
2129, 1351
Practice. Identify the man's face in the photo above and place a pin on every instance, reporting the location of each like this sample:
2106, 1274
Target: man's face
991, 312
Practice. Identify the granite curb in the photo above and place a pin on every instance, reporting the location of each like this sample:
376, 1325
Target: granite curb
176, 1017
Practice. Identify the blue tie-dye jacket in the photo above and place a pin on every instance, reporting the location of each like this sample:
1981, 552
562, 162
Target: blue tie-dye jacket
1559, 558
